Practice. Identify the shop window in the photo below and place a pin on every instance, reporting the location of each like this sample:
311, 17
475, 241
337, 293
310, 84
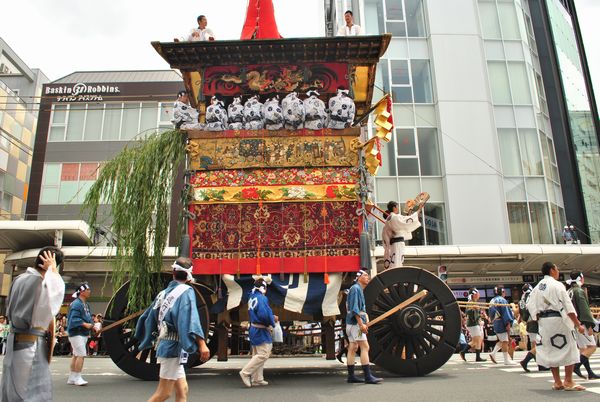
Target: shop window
530, 152
408, 166
93, 123
518, 218
429, 152
509, 152
394, 10
421, 81
415, 19
406, 145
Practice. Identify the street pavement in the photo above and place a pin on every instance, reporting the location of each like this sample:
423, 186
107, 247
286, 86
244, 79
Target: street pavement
316, 379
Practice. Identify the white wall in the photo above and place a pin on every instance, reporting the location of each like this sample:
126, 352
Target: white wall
476, 207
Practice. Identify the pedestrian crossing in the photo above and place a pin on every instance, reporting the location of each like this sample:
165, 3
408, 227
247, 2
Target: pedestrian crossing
592, 386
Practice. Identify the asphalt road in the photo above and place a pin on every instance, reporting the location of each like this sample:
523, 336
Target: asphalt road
315, 379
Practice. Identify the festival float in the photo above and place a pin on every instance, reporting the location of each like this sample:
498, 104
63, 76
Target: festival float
275, 183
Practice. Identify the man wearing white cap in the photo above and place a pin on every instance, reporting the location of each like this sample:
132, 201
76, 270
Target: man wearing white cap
356, 328
79, 324
174, 316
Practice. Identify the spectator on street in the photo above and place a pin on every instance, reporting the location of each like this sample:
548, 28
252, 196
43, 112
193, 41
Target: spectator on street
79, 327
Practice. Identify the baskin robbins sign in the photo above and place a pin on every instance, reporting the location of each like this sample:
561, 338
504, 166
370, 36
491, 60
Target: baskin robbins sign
81, 92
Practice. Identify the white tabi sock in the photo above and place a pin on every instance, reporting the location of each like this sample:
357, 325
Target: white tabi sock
506, 357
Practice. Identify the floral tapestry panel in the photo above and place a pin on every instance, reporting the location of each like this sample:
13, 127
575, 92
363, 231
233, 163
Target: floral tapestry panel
330, 192
274, 177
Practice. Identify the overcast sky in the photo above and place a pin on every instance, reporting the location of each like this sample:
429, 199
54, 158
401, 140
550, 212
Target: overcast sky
62, 36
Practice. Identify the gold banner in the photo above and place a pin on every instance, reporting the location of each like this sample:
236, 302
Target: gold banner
324, 192
271, 152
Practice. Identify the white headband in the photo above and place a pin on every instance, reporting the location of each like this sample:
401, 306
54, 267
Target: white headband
313, 92
80, 289
177, 267
471, 293
262, 288
577, 280
343, 91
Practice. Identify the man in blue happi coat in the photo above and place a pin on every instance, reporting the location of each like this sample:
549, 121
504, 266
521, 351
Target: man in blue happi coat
79, 324
502, 319
356, 329
174, 317
262, 320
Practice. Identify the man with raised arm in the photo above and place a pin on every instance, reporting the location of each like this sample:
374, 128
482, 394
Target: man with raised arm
34, 299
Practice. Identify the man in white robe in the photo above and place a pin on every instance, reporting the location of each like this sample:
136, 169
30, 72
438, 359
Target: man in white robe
35, 298
349, 28
185, 116
557, 320
398, 228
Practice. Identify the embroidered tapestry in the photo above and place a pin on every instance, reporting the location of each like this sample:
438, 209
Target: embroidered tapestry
236, 153
274, 78
275, 237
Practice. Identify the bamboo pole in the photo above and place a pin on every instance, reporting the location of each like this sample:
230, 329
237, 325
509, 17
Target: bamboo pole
400, 306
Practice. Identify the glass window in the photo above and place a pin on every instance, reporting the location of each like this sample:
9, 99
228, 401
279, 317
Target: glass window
388, 165
509, 152
112, 121
408, 166
382, 79
49, 195
76, 120
421, 79
52, 174
149, 116
3, 160
435, 223
84, 187
530, 152
490, 25
88, 171
131, 118
400, 75
93, 123
415, 20
374, 17
69, 172
429, 152
166, 112
396, 28
68, 192
540, 223
59, 115
514, 188
499, 83
508, 21
518, 219
402, 94
6, 202
393, 10
521, 93
406, 141
57, 133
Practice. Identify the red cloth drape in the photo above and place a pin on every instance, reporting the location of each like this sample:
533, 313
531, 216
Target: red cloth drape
260, 18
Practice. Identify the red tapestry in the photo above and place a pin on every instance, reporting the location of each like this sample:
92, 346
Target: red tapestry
274, 78
280, 237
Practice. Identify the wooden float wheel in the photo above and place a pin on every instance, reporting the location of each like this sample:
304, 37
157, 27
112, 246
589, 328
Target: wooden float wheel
419, 338
122, 346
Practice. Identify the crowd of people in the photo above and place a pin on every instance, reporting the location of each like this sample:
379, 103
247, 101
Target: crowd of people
553, 322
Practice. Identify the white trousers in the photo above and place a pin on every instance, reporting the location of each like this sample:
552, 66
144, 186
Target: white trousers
255, 366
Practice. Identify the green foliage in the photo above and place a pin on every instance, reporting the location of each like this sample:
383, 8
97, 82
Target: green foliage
137, 185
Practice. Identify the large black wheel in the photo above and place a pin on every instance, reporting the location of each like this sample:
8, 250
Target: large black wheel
122, 347
421, 337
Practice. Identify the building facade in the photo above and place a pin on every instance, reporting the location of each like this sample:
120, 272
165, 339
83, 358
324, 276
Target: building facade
473, 121
86, 118
20, 90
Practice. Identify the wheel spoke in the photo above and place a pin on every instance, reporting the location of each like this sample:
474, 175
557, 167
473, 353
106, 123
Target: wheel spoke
436, 322
432, 341
431, 305
387, 299
424, 345
417, 347
435, 313
144, 355
434, 331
